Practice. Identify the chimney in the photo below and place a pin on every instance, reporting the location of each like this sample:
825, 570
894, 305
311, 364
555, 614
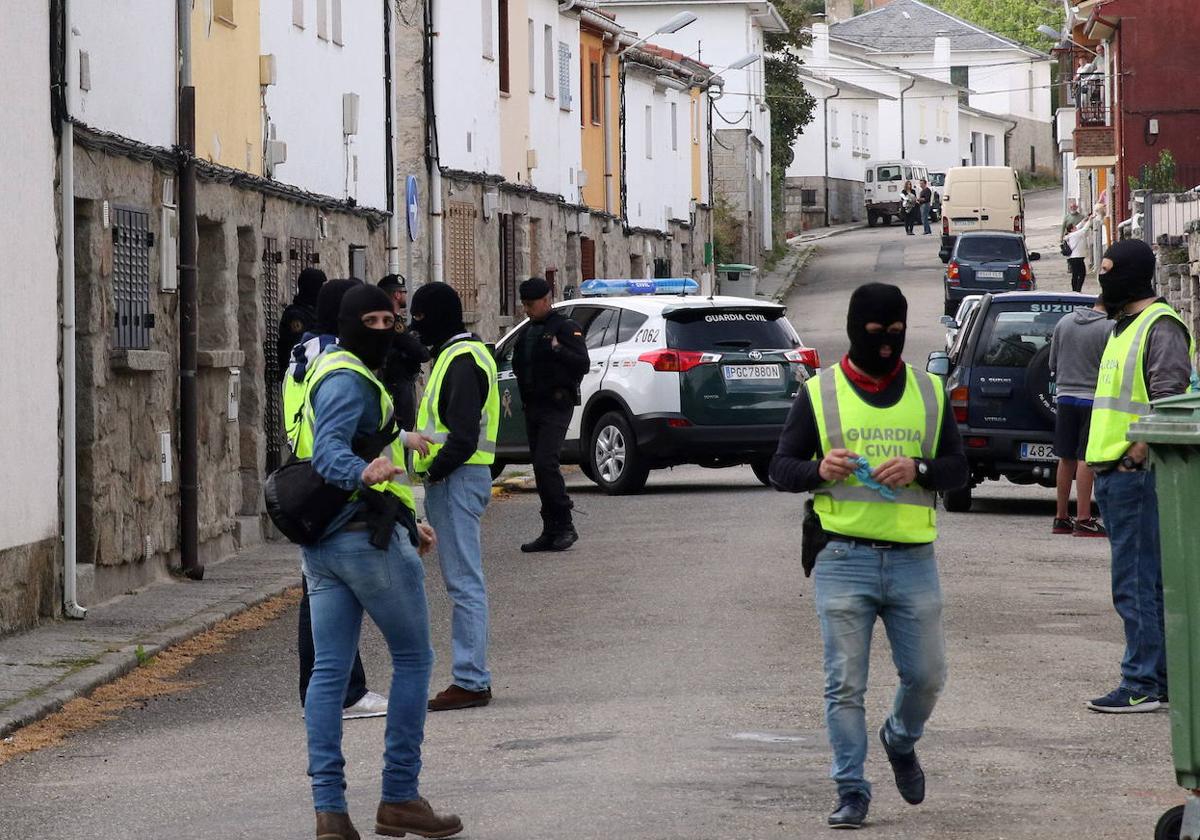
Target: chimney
941, 49
837, 11
820, 42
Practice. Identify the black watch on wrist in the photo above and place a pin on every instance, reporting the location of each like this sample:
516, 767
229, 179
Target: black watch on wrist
1130, 464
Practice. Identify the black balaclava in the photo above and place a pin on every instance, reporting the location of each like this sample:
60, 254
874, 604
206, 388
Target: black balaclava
876, 303
309, 285
370, 345
437, 314
329, 301
1131, 276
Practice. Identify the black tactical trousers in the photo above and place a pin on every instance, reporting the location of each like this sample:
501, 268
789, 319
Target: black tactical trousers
546, 427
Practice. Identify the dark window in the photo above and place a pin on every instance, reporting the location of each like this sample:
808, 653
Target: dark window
504, 51
662, 267
272, 310
1033, 158
594, 84
890, 173
938, 179
602, 330
132, 241
587, 258
960, 76
358, 262
631, 322
870, 176
808, 198
990, 249
712, 330
508, 263
1016, 332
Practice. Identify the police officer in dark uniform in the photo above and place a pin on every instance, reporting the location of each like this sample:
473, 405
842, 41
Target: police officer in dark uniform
404, 359
550, 361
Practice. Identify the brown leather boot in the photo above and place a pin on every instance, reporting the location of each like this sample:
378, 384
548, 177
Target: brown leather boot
457, 697
395, 819
335, 826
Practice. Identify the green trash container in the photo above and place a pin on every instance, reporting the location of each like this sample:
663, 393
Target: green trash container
1173, 433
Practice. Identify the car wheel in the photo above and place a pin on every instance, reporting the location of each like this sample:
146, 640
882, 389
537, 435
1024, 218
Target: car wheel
872, 220
951, 307
1170, 824
585, 467
887, 220
1037, 385
495, 468
619, 467
957, 501
762, 470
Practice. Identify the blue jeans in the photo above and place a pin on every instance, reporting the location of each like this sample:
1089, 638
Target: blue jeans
454, 507
925, 209
1129, 504
854, 584
347, 576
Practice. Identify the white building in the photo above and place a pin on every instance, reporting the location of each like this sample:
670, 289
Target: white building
327, 102
553, 80
725, 32
29, 521
998, 76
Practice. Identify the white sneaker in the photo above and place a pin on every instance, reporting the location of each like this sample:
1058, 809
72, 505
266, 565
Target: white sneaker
371, 705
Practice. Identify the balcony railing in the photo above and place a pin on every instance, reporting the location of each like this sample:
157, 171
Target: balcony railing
1093, 110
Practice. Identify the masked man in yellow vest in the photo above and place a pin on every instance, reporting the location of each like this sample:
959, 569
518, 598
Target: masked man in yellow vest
1148, 356
460, 414
878, 562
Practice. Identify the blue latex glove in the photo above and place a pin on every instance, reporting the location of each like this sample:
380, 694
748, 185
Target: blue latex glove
863, 474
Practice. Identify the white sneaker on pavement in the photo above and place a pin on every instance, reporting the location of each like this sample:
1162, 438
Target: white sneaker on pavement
371, 705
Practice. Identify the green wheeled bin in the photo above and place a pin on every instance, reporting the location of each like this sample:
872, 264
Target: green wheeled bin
1173, 433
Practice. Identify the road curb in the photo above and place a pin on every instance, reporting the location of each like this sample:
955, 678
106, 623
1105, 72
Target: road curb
804, 240
807, 251
114, 664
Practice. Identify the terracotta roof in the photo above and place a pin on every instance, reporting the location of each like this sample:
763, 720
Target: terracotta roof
671, 55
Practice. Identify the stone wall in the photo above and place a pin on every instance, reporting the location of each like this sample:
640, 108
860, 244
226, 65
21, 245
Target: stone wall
1180, 284
732, 182
29, 583
1039, 136
847, 202
128, 517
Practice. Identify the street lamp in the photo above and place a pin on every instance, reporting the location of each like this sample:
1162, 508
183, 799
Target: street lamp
1060, 37
742, 63
669, 28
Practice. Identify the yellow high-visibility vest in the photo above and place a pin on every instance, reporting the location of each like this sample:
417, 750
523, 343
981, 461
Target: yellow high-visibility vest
429, 421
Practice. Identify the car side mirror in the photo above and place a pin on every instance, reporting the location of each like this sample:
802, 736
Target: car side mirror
1034, 256
938, 364
948, 321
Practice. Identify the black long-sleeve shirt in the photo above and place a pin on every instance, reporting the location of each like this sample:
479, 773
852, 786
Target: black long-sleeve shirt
460, 407
794, 469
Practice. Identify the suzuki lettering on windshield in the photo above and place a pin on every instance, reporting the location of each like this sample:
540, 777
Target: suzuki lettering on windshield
739, 372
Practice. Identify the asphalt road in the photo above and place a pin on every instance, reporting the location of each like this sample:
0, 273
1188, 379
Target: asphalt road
662, 680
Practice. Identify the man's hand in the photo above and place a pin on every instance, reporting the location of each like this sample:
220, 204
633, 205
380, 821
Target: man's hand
427, 539
896, 472
380, 470
417, 442
837, 465
1138, 452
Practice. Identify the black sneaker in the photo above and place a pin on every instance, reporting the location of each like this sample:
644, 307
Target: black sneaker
1122, 701
910, 778
1163, 701
1063, 526
1089, 528
851, 811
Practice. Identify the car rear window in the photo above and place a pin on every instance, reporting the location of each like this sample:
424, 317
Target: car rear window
1015, 332
990, 249
938, 179
714, 330
889, 173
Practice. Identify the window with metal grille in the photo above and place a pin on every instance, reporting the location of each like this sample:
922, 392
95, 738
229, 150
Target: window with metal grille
808, 198
508, 263
300, 256
460, 252
272, 375
587, 259
564, 75
132, 241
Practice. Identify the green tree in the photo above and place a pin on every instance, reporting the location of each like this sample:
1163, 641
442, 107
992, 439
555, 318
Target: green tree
1159, 177
1015, 19
791, 105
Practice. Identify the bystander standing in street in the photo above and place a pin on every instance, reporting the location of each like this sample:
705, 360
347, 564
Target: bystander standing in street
460, 413
908, 207
299, 316
550, 362
1072, 218
1148, 356
880, 526
349, 572
403, 365
1077, 241
1075, 351
925, 205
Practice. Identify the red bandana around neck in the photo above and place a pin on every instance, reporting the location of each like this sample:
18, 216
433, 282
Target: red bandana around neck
866, 383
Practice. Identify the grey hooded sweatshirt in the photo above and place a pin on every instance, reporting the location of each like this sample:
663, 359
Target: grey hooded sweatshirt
1075, 352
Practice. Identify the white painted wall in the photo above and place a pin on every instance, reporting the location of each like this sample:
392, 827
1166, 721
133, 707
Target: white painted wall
984, 132
1000, 79
130, 46
658, 175
924, 106
848, 150
553, 132
466, 82
29, 379
305, 106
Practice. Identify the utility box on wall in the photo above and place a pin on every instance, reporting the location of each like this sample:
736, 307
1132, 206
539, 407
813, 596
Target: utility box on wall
235, 393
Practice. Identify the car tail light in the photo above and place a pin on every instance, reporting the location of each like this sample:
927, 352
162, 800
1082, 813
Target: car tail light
804, 356
679, 422
1025, 283
1018, 224
958, 403
945, 225
952, 273
976, 442
677, 361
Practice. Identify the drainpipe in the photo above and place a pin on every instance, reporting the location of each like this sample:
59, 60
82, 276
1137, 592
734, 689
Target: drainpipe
189, 455
903, 146
609, 55
389, 73
436, 258
71, 606
826, 107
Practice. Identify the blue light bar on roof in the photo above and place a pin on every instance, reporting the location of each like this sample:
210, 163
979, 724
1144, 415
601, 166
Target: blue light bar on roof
656, 286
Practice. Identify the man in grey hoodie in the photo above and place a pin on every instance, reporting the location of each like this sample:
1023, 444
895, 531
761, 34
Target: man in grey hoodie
1075, 352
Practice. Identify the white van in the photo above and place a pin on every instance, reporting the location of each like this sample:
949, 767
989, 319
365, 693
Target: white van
980, 198
882, 185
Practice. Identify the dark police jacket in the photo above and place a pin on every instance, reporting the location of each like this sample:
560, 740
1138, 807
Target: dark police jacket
546, 375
